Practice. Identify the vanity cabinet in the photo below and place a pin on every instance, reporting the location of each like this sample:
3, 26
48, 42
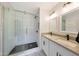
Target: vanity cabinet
53, 49
45, 45
63, 51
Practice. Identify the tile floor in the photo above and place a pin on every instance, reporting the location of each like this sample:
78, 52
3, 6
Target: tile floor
31, 52
23, 47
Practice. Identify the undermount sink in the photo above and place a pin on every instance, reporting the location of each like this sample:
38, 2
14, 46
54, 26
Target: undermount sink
64, 41
67, 43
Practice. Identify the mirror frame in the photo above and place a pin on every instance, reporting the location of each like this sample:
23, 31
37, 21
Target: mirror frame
73, 10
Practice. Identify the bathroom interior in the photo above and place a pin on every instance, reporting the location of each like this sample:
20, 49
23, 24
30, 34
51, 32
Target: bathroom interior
39, 28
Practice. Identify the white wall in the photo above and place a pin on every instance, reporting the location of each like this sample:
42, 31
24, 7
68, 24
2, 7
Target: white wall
44, 20
44, 23
1, 30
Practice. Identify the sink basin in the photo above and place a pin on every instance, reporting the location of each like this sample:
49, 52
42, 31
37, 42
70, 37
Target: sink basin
67, 43
64, 41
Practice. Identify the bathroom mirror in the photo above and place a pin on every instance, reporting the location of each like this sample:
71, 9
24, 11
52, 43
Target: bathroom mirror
70, 21
53, 24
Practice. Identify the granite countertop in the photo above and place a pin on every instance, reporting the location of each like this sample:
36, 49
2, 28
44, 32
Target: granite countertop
70, 44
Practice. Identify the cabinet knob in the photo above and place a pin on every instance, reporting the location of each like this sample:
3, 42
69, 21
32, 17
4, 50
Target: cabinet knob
43, 42
57, 54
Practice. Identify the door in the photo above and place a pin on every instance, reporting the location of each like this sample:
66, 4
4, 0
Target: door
64, 52
9, 31
53, 49
26, 28
45, 45
19, 28
30, 28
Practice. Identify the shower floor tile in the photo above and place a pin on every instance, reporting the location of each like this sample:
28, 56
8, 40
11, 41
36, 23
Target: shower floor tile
30, 52
23, 47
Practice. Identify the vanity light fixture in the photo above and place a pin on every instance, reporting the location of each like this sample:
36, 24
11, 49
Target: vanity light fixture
67, 3
52, 12
52, 15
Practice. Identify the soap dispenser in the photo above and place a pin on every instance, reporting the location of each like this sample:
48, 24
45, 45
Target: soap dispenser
67, 37
77, 38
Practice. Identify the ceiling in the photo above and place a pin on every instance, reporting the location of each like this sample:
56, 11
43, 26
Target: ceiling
31, 7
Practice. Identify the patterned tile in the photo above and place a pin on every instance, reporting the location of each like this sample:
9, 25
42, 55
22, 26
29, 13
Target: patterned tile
23, 47
31, 52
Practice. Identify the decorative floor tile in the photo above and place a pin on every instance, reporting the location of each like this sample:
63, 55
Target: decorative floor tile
23, 47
